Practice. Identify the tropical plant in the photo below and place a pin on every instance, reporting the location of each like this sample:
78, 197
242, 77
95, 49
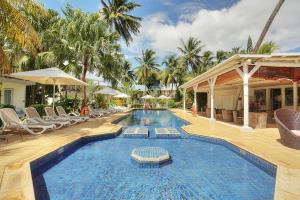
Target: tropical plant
207, 61
16, 28
170, 74
267, 48
190, 52
116, 14
128, 75
147, 71
94, 45
220, 56
267, 25
249, 48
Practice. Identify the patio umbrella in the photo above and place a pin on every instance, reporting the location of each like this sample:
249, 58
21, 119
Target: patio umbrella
49, 76
108, 91
122, 96
163, 97
148, 97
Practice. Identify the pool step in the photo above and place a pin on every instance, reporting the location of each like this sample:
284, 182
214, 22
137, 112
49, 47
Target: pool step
137, 132
167, 133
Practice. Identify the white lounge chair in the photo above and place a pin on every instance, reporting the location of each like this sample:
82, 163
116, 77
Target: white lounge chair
53, 116
62, 113
34, 116
95, 113
11, 121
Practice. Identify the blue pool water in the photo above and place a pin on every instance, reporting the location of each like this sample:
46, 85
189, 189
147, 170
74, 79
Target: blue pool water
199, 170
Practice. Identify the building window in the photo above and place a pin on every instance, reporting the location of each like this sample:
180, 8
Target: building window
260, 97
289, 96
8, 96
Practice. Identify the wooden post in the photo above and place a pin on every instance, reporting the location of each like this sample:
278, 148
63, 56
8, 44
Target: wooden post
211, 83
246, 75
195, 98
295, 96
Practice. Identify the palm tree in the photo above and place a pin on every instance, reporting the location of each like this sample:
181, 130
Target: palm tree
206, 61
267, 25
220, 56
169, 75
267, 48
92, 42
128, 75
116, 14
15, 26
191, 53
147, 71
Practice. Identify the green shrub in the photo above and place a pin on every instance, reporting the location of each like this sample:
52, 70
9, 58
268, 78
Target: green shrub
171, 103
40, 108
7, 106
69, 105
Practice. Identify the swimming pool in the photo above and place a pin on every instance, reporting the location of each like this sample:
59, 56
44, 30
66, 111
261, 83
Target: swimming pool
201, 168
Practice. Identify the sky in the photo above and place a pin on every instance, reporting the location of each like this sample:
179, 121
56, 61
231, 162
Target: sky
219, 24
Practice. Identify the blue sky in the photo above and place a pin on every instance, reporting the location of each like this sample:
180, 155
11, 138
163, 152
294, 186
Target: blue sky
219, 24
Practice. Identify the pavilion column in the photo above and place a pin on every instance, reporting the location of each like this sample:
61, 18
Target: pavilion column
184, 99
211, 83
195, 98
295, 95
246, 75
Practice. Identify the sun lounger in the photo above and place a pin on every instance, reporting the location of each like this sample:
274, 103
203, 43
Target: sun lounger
33, 115
94, 113
53, 116
62, 113
11, 121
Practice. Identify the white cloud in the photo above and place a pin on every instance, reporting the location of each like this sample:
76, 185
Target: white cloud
222, 29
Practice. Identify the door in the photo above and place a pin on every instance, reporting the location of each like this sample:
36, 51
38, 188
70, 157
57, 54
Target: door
276, 102
201, 101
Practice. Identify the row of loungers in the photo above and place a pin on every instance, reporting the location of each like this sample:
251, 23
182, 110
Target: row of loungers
36, 125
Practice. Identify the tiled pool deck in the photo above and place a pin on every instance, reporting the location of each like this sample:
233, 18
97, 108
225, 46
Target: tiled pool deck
15, 158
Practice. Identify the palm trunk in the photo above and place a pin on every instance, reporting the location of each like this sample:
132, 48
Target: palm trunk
43, 94
267, 26
32, 94
83, 78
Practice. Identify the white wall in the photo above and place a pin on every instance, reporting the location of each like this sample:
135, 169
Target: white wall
19, 94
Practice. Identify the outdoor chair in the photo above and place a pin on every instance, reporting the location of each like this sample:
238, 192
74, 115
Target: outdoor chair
53, 116
62, 113
288, 123
95, 113
34, 116
11, 121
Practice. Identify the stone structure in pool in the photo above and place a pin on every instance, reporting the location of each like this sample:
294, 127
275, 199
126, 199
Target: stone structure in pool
150, 157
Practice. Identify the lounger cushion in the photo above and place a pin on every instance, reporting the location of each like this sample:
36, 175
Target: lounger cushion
296, 132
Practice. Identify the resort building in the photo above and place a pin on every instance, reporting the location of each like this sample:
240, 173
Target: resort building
13, 92
247, 89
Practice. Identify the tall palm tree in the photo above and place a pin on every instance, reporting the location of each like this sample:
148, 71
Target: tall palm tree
220, 56
170, 74
15, 26
93, 44
191, 53
207, 61
267, 48
128, 75
147, 71
267, 25
116, 14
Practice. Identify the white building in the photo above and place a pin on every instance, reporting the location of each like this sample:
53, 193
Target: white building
13, 92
